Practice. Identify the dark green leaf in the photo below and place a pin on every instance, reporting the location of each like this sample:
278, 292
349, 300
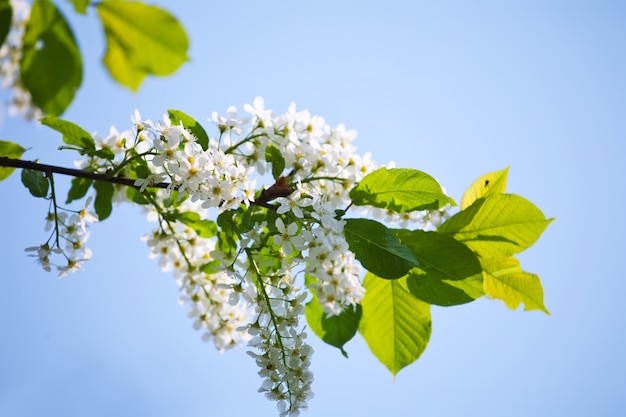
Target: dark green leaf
400, 190
51, 65
80, 6
275, 157
189, 123
72, 133
448, 273
335, 330
136, 196
141, 40
104, 199
79, 188
36, 182
6, 16
9, 150
378, 249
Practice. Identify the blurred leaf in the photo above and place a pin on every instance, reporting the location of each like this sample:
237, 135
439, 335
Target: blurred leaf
492, 183
395, 324
189, 123
378, 249
79, 188
203, 227
36, 182
401, 190
51, 64
80, 6
334, 330
498, 225
104, 199
72, 133
10, 150
141, 40
6, 17
506, 281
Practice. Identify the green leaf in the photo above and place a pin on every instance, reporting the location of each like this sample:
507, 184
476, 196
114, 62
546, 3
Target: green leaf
72, 133
51, 64
401, 190
189, 123
492, 183
36, 182
506, 281
395, 324
275, 157
378, 249
498, 225
334, 330
79, 188
6, 17
103, 203
447, 268
141, 40
204, 228
80, 6
9, 150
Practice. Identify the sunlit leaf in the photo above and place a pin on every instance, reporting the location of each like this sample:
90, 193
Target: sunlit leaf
141, 40
395, 324
401, 190
498, 225
9, 150
72, 133
506, 281
492, 183
51, 64
80, 6
378, 249
191, 124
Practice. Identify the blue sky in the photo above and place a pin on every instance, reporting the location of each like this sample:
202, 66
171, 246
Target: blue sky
456, 89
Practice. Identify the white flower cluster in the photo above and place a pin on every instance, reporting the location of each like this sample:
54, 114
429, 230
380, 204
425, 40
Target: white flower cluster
284, 357
70, 236
10, 57
215, 309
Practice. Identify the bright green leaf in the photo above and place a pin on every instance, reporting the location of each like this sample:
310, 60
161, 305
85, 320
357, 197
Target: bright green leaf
401, 190
36, 182
103, 203
80, 6
335, 330
378, 249
189, 123
6, 16
395, 324
492, 183
506, 281
79, 188
448, 273
141, 40
51, 65
204, 228
498, 225
9, 150
275, 157
72, 133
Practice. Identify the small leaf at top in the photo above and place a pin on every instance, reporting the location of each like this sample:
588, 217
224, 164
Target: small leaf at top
80, 6
141, 40
492, 183
51, 65
9, 150
395, 324
189, 123
72, 133
36, 182
378, 249
401, 190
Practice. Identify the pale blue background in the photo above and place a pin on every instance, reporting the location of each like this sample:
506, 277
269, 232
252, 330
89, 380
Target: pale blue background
456, 89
